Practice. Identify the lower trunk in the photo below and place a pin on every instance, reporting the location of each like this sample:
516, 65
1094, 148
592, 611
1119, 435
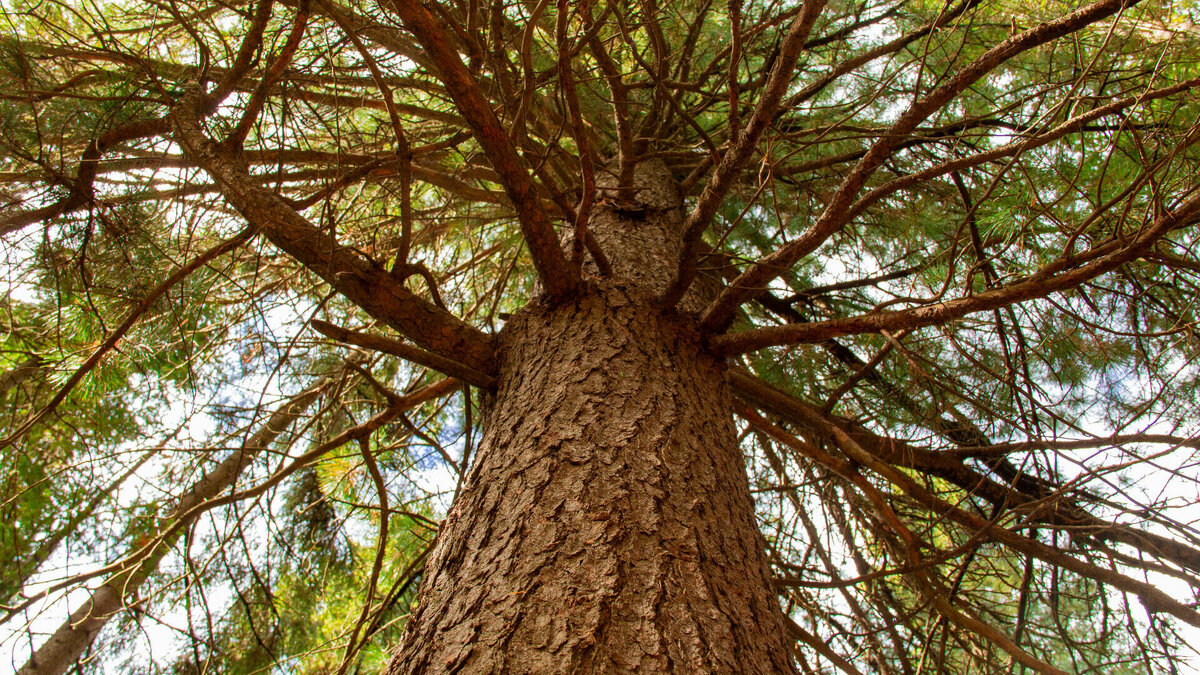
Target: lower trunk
607, 524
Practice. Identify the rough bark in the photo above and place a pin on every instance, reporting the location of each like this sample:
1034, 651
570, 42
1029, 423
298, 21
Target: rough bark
607, 525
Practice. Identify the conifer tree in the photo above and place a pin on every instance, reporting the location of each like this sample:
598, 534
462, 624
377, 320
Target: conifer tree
549, 337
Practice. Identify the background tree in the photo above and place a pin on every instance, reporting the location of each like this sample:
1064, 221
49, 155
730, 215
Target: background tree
744, 336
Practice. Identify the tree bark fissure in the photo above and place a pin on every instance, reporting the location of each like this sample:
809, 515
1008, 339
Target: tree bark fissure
607, 524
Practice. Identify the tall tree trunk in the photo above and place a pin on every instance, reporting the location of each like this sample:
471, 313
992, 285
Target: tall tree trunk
76, 634
23, 572
607, 524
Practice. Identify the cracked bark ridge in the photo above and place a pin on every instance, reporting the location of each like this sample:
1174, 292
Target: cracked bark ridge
607, 525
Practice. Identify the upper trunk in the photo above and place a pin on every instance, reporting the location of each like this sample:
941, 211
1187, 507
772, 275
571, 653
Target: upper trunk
607, 524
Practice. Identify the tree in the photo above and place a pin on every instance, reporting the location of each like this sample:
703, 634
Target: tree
755, 336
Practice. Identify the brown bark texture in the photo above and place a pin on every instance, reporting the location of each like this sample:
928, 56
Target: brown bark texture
607, 524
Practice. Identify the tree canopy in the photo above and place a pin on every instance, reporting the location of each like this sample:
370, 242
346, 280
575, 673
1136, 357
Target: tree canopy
256, 252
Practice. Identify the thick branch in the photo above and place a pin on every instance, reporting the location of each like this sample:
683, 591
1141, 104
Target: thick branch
408, 352
556, 274
363, 282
